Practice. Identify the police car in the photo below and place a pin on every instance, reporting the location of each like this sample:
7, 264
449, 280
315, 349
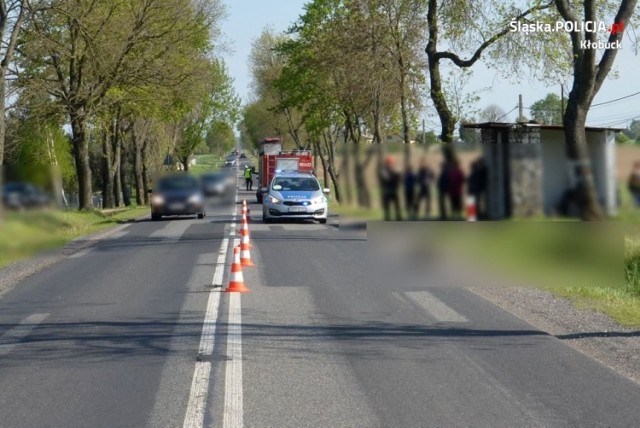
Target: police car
295, 195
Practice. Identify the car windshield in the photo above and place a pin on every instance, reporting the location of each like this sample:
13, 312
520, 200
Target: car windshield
297, 184
178, 183
213, 178
15, 187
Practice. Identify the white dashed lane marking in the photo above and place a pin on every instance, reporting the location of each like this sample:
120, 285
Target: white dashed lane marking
434, 306
12, 337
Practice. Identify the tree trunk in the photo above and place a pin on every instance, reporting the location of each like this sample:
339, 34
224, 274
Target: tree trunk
117, 155
336, 188
330, 168
346, 166
81, 155
364, 199
138, 167
578, 154
108, 184
126, 189
108, 193
588, 77
325, 172
146, 178
2, 138
403, 111
362, 191
447, 119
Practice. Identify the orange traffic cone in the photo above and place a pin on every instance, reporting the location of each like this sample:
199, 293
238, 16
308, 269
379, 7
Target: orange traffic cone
247, 209
244, 232
245, 256
236, 280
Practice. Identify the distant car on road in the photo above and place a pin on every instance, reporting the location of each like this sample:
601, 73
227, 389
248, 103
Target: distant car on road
216, 184
23, 195
231, 161
178, 194
295, 195
243, 156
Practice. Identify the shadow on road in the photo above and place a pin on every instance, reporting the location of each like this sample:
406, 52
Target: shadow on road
86, 342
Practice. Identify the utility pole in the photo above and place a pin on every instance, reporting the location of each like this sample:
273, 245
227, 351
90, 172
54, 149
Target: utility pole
520, 108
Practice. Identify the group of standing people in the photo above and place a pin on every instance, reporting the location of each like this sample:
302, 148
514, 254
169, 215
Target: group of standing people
417, 186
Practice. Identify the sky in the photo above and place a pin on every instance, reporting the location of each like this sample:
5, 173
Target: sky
248, 18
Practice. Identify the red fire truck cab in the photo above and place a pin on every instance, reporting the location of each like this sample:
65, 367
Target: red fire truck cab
273, 159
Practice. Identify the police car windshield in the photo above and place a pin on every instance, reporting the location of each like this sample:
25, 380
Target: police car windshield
297, 184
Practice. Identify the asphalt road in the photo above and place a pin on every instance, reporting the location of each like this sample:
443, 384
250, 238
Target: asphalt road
132, 333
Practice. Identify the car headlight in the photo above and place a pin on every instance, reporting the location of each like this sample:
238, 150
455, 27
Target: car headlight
157, 200
318, 201
195, 199
274, 200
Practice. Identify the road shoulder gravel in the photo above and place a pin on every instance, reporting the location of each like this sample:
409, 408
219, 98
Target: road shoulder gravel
593, 333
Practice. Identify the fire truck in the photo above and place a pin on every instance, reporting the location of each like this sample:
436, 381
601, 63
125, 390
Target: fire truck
273, 159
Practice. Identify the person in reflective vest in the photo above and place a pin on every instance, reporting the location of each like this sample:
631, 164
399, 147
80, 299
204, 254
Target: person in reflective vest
248, 178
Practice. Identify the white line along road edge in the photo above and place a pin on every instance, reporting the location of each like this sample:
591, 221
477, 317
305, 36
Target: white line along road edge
194, 418
233, 412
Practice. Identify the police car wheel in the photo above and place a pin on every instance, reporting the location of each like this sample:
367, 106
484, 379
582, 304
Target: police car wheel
323, 221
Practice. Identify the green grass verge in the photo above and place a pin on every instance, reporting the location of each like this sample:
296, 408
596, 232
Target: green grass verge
206, 163
22, 235
621, 303
574, 260
622, 306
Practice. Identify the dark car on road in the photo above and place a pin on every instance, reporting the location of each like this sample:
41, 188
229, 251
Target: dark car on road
179, 194
23, 195
216, 184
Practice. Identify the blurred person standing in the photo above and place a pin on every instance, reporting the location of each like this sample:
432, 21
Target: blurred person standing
410, 192
390, 181
443, 189
248, 177
455, 185
424, 179
634, 183
478, 180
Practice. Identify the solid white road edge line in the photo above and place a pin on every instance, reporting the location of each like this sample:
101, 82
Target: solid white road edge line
13, 336
198, 395
233, 413
194, 417
222, 258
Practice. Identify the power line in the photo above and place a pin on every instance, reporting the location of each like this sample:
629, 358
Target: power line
623, 120
592, 105
544, 109
617, 99
507, 113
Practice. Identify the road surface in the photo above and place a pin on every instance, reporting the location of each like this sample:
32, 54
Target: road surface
132, 332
